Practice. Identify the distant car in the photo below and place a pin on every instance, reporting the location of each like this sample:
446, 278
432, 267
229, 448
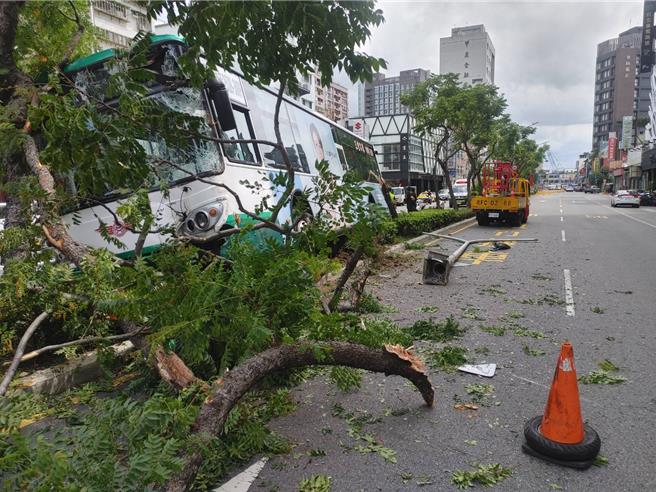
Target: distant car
399, 195
592, 189
625, 197
578, 188
648, 198
568, 188
443, 194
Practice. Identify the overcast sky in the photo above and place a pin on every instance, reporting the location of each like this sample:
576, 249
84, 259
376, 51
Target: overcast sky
545, 56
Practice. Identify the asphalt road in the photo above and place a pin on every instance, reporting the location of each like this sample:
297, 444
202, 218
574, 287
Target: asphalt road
611, 258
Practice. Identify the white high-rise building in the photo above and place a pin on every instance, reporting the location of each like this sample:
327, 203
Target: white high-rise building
118, 22
469, 52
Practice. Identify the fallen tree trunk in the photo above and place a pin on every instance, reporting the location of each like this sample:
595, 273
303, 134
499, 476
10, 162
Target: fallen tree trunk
226, 392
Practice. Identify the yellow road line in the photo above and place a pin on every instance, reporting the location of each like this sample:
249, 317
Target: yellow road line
462, 229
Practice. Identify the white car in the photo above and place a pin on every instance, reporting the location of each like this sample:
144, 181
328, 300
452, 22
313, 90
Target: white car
624, 197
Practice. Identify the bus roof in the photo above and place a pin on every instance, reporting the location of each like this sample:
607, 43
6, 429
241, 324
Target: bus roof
103, 56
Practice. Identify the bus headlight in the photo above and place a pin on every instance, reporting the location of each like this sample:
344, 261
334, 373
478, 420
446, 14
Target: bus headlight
200, 221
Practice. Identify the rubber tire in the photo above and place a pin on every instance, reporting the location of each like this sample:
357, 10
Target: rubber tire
525, 216
516, 219
586, 450
482, 219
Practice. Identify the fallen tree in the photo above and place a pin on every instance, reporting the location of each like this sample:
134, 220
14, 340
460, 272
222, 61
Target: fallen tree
224, 394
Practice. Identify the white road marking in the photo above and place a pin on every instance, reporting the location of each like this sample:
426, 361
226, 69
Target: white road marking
561, 211
243, 481
562, 235
634, 218
561, 218
569, 294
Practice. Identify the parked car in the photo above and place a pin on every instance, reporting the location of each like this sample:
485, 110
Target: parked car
647, 198
592, 189
568, 188
625, 197
578, 187
399, 195
443, 194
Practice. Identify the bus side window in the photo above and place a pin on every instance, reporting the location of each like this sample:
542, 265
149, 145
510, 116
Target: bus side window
241, 152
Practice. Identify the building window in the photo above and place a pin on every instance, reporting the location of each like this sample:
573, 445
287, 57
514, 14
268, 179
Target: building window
143, 24
114, 38
113, 9
465, 75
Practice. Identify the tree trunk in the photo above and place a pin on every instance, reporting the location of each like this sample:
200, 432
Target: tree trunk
226, 392
168, 365
343, 278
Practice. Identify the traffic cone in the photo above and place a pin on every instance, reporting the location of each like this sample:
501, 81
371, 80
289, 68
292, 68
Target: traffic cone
560, 436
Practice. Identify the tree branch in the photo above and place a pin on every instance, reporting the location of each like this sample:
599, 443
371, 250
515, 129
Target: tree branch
20, 350
343, 278
80, 341
226, 392
75, 40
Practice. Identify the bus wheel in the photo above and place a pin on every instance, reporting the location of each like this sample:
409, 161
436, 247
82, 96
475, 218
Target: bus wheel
516, 219
525, 216
482, 219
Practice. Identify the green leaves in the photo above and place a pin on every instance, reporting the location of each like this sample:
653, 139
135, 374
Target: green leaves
273, 41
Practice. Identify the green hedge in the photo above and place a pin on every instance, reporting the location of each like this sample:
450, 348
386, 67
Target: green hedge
415, 223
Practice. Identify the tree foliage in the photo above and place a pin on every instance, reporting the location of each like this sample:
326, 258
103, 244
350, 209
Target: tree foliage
273, 41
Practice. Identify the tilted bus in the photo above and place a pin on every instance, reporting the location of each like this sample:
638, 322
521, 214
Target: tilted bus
196, 209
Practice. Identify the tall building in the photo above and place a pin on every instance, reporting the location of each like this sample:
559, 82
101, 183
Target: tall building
469, 52
331, 101
617, 87
382, 96
118, 22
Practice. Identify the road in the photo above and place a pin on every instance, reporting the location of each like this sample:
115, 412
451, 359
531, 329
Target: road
610, 259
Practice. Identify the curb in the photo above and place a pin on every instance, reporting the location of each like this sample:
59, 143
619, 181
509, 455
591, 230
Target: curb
444, 230
56, 379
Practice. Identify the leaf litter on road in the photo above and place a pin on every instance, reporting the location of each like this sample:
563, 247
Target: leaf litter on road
484, 474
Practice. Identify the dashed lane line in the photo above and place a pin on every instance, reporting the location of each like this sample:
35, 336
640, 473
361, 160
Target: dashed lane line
569, 294
562, 235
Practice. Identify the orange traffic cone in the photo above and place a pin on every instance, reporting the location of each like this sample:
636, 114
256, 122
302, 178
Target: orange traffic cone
560, 435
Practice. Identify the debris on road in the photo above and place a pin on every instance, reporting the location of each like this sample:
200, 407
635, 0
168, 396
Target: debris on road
485, 370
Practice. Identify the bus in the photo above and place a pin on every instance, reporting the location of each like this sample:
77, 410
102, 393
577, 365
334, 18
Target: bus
232, 109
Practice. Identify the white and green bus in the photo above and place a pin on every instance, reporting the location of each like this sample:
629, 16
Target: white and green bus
232, 109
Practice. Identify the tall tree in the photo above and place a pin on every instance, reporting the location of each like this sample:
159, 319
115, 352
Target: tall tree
432, 104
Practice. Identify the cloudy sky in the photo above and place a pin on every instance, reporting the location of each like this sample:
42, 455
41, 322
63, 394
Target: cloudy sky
545, 55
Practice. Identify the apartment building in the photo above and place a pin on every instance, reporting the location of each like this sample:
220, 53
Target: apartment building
118, 22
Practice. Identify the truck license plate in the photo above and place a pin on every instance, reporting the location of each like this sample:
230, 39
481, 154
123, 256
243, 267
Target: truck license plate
493, 215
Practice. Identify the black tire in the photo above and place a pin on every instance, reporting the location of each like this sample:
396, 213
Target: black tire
482, 219
516, 219
586, 450
524, 216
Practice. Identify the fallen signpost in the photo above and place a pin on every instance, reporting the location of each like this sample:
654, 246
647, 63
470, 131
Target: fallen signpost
437, 266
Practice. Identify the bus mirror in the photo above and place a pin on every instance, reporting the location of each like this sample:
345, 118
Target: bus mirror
221, 99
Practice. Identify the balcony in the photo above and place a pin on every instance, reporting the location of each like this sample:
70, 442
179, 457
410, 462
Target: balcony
111, 8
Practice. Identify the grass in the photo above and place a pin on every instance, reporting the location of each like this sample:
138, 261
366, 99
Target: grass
497, 331
484, 475
428, 309
539, 276
532, 351
449, 358
600, 460
515, 314
601, 377
427, 329
597, 310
